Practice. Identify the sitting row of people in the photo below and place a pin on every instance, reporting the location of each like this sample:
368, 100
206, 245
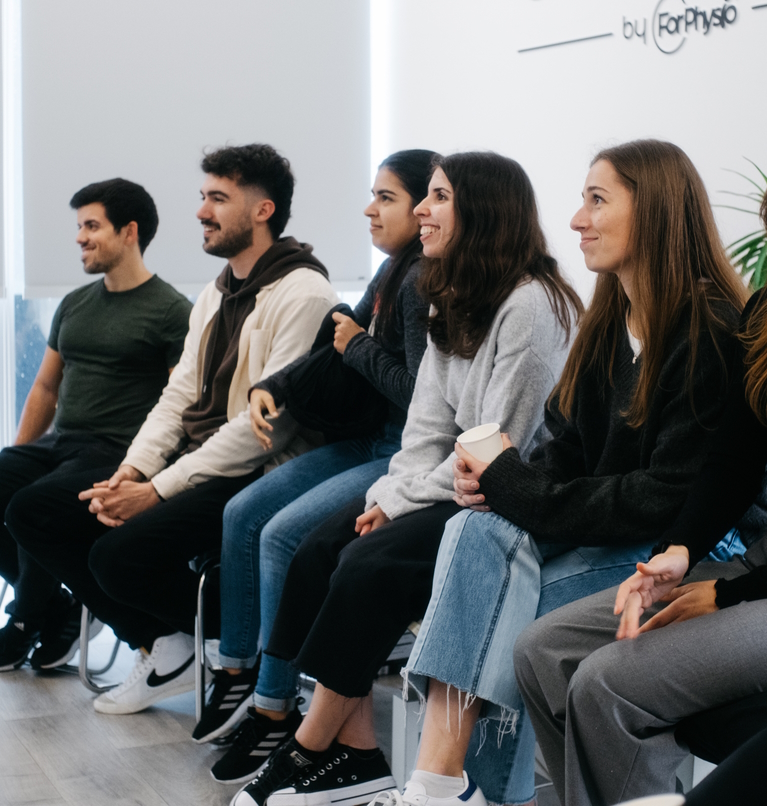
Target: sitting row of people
608, 416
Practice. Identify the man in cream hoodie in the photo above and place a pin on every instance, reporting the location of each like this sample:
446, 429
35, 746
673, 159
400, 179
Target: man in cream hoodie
124, 544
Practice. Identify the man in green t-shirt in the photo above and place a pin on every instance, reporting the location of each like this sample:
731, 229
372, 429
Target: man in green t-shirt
111, 347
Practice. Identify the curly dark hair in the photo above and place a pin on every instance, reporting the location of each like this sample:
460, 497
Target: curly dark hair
261, 166
123, 202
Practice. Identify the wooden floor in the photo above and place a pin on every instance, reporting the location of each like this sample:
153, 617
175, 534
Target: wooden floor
55, 750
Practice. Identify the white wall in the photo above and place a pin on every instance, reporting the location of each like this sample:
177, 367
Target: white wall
138, 89
459, 82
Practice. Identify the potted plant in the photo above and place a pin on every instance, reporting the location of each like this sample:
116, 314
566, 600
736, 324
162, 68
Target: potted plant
749, 253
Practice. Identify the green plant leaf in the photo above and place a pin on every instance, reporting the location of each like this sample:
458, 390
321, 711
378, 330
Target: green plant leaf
764, 176
747, 178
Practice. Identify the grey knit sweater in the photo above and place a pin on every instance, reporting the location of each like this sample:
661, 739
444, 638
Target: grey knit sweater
508, 382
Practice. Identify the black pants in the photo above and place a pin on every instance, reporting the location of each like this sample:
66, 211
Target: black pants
136, 577
47, 460
348, 599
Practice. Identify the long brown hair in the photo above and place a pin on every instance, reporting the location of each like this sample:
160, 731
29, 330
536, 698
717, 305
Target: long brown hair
754, 338
497, 243
678, 261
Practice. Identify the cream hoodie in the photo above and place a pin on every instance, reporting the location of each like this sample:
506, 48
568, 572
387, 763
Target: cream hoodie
282, 327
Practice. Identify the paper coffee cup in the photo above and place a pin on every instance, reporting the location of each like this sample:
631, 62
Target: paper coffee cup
483, 442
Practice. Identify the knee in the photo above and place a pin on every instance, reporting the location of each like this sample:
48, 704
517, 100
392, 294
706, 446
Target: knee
237, 513
25, 519
527, 655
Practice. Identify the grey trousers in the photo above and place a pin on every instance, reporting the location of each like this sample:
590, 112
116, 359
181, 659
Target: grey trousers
604, 711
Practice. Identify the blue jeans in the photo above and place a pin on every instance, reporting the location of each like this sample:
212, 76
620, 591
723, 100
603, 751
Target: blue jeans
491, 580
263, 526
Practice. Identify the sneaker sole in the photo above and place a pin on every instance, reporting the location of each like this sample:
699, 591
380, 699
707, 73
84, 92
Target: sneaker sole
228, 726
16, 665
94, 630
109, 707
343, 796
244, 779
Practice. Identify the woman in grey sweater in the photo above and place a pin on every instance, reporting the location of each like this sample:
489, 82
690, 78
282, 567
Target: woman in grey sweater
498, 332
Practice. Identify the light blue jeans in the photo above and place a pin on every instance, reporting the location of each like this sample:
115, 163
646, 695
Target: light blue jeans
491, 580
263, 526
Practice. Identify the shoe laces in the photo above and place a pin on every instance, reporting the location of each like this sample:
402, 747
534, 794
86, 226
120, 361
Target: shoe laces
245, 736
394, 797
324, 765
142, 664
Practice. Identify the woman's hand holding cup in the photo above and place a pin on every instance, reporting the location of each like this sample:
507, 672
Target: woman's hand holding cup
476, 449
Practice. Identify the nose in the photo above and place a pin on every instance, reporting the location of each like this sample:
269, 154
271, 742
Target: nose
371, 210
421, 209
82, 236
204, 211
578, 221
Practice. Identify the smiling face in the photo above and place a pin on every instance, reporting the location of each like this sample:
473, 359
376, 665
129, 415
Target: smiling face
226, 216
102, 246
392, 223
605, 220
437, 216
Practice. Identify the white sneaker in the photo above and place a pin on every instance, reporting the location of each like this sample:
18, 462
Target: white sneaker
414, 794
168, 670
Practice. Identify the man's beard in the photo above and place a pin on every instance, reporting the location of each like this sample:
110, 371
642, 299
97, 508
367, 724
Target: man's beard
232, 243
101, 266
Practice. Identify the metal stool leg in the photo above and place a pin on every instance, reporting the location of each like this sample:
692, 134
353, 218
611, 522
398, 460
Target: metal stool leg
5, 590
86, 674
199, 639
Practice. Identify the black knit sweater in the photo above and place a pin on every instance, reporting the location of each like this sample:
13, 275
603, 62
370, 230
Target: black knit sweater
731, 478
600, 482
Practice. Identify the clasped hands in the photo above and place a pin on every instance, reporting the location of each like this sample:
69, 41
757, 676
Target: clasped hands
126, 494
659, 580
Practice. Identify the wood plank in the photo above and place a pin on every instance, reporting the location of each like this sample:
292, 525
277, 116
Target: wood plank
27, 788
180, 773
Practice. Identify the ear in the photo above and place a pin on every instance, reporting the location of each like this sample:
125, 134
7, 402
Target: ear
263, 210
130, 233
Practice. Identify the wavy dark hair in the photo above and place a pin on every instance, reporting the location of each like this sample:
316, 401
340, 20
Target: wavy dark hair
678, 261
497, 243
413, 168
754, 338
261, 166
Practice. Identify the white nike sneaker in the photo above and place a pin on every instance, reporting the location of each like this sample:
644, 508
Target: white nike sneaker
414, 794
168, 670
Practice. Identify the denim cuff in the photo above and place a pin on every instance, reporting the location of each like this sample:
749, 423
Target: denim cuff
272, 703
236, 663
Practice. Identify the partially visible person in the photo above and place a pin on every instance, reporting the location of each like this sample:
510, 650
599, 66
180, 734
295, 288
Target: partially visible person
644, 386
111, 346
384, 342
588, 687
128, 558
502, 315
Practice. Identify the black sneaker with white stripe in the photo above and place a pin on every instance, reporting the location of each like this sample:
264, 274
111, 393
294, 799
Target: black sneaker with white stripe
343, 777
281, 768
254, 742
60, 637
226, 706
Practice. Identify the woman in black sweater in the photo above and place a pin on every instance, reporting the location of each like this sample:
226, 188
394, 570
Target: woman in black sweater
642, 390
587, 691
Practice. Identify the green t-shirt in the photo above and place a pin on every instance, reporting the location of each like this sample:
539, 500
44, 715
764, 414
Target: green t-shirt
117, 348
